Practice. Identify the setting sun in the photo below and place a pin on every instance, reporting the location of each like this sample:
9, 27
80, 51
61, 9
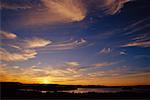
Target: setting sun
45, 81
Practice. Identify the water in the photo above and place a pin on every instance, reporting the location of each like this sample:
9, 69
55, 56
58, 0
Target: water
97, 90
83, 90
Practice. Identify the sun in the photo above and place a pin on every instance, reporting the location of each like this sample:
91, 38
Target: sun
45, 81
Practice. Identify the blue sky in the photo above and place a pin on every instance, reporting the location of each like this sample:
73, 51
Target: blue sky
82, 40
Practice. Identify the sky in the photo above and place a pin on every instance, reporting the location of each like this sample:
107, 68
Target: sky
87, 42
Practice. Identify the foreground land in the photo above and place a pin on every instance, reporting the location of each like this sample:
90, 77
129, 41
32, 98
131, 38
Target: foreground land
14, 91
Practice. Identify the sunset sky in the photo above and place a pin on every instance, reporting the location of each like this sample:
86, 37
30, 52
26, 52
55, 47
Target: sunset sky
88, 42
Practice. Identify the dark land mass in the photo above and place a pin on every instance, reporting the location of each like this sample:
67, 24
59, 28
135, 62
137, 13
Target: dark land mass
14, 90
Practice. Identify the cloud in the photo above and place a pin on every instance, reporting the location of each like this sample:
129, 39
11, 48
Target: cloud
105, 51
137, 29
71, 44
103, 64
70, 9
56, 75
122, 53
72, 63
56, 12
17, 56
46, 71
133, 32
136, 26
141, 37
7, 35
73, 70
115, 72
112, 6
28, 49
36, 43
140, 44
139, 74
96, 65
16, 67
53, 12
15, 6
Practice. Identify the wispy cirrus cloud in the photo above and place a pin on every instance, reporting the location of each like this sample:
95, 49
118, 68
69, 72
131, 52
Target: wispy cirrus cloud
140, 44
52, 12
134, 34
64, 11
141, 37
41, 44
72, 9
25, 49
15, 6
20, 54
23, 73
112, 6
29, 48
36, 42
123, 53
96, 65
119, 72
105, 51
103, 64
7, 35
16, 56
72, 63
67, 45
53, 74
56, 12
136, 26
39, 73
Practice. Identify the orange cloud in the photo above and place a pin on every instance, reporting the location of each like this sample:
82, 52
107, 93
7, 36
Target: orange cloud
114, 6
7, 35
64, 45
56, 12
72, 10
21, 56
140, 44
52, 12
54, 75
72, 63
103, 64
36, 43
35, 74
107, 7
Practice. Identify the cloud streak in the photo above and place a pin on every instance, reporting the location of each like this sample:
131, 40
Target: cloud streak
136, 26
103, 64
105, 51
36, 43
141, 37
72, 63
38, 74
15, 6
137, 44
7, 35
56, 12
15, 56
111, 7
53, 12
67, 45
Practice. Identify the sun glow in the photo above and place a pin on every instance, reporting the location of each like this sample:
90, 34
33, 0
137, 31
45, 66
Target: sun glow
45, 81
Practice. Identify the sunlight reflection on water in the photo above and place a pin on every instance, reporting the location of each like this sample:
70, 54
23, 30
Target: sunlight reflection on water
97, 90
82, 90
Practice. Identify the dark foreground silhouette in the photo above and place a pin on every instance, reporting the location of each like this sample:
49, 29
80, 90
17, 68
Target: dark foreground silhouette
11, 90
